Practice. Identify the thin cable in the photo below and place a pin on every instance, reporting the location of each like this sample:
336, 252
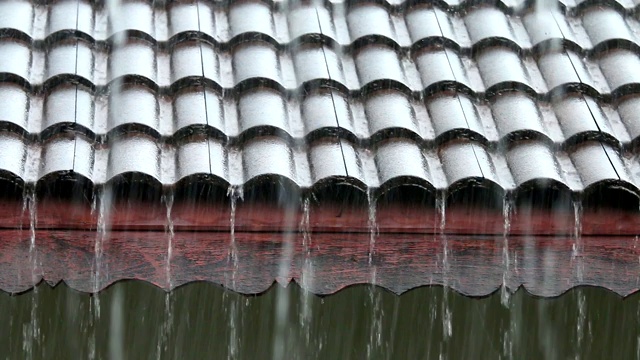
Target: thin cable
333, 102
464, 114
584, 99
75, 100
204, 89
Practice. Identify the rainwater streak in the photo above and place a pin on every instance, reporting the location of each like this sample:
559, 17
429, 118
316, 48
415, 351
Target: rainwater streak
167, 326
31, 331
375, 335
506, 213
234, 193
306, 276
441, 207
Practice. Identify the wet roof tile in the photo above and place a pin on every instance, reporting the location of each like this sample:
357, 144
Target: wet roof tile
388, 109
516, 112
15, 57
620, 68
139, 17
531, 160
328, 148
371, 92
603, 24
256, 59
12, 154
487, 22
427, 22
322, 107
369, 19
439, 64
499, 65
187, 107
300, 21
543, 27
317, 61
453, 112
250, 16
629, 110
464, 159
15, 104
378, 62
401, 158
62, 16
192, 58
135, 57
580, 114
68, 104
70, 57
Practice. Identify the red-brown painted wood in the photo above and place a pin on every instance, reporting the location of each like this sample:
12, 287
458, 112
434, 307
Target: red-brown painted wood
252, 217
408, 251
544, 265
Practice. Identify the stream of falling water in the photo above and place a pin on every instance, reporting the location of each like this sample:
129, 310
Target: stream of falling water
167, 326
307, 273
234, 193
576, 248
31, 331
635, 250
441, 207
505, 297
576, 258
375, 335
103, 198
506, 214
283, 342
168, 201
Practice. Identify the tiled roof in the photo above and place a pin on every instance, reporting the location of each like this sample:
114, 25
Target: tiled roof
437, 92
508, 97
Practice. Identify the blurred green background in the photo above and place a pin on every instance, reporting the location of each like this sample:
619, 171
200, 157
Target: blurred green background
203, 321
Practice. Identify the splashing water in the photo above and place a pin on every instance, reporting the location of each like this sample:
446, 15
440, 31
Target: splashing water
31, 331
506, 213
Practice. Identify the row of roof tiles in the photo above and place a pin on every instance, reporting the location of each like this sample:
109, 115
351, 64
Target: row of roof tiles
381, 86
565, 121
344, 24
395, 161
494, 68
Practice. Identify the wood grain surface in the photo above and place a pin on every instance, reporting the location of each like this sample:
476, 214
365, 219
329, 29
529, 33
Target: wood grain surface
408, 249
